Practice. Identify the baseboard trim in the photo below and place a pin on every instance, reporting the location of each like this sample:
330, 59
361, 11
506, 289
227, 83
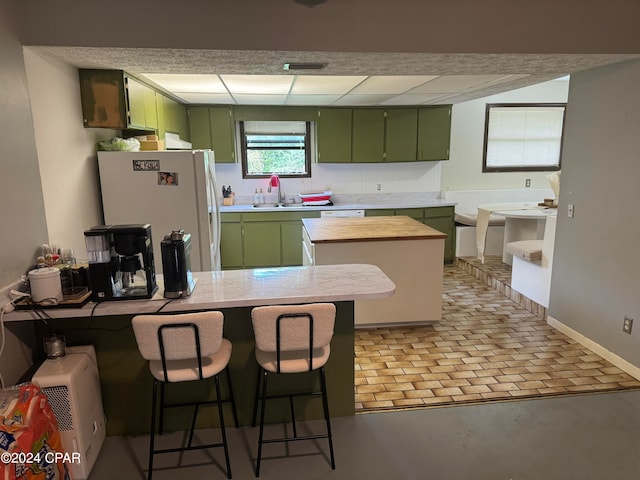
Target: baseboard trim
611, 357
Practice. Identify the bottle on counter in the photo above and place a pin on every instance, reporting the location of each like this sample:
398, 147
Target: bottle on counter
261, 195
256, 197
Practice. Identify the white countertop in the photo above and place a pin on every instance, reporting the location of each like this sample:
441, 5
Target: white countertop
354, 202
535, 213
246, 288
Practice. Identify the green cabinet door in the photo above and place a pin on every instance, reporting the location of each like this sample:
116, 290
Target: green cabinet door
291, 235
415, 213
380, 212
199, 127
333, 135
135, 103
434, 132
176, 118
162, 126
261, 244
150, 110
222, 134
231, 243
367, 136
443, 220
401, 135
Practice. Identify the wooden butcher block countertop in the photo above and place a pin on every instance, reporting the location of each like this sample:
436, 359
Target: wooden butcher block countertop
357, 229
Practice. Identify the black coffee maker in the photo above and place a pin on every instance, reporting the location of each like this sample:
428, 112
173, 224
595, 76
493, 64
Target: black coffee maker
176, 264
121, 265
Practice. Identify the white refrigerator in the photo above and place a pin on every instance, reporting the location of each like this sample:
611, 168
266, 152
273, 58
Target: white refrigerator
171, 190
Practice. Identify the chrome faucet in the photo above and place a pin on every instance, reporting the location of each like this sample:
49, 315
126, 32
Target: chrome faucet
274, 181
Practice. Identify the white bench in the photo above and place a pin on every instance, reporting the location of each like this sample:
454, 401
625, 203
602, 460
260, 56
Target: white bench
466, 234
532, 265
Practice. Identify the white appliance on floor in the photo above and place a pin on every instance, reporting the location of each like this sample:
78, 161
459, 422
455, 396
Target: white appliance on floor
72, 386
171, 190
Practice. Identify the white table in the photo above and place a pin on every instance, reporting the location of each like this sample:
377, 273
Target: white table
525, 224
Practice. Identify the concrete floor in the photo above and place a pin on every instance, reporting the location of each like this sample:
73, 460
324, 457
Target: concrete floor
585, 437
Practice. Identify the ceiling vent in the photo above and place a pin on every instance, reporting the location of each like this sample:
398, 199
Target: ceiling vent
304, 66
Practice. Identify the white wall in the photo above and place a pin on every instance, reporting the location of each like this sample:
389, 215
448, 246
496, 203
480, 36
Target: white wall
344, 178
464, 169
596, 266
21, 202
66, 151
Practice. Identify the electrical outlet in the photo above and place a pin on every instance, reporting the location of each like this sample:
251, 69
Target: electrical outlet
627, 325
379, 187
527, 183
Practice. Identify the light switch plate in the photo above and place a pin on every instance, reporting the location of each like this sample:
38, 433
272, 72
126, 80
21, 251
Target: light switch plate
570, 210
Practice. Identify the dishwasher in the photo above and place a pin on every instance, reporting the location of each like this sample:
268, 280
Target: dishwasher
341, 213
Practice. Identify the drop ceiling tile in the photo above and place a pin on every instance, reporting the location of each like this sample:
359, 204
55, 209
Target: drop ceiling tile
455, 83
257, 99
412, 99
187, 83
395, 84
362, 100
315, 100
322, 84
211, 98
257, 84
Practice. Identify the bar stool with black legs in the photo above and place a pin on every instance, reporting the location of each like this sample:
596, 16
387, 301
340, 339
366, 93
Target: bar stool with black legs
292, 339
184, 348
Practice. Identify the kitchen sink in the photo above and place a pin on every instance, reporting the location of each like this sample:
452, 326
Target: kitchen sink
276, 205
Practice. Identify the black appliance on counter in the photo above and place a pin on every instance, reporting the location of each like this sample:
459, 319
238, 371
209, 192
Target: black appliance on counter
176, 264
121, 265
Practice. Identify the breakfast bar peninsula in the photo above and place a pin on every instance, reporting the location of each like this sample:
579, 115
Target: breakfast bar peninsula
125, 377
409, 252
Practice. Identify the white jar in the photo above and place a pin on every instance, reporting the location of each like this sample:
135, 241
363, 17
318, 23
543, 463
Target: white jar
45, 285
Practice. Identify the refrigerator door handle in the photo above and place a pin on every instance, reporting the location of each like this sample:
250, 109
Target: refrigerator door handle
214, 217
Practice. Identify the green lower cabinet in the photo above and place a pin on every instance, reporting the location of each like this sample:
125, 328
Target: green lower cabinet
265, 239
379, 212
231, 244
291, 238
261, 244
443, 219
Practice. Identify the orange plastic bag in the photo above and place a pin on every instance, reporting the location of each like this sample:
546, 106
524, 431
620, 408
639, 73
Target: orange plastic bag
30, 442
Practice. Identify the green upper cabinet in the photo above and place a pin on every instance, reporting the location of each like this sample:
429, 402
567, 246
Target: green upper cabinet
401, 134
434, 132
368, 135
213, 127
150, 109
333, 135
176, 118
135, 99
374, 135
223, 138
111, 99
199, 127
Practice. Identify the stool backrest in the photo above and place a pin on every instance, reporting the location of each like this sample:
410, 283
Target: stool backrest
292, 328
178, 337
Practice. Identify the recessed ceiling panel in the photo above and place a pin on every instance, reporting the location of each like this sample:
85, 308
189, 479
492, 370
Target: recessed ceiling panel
210, 98
322, 84
362, 100
257, 84
315, 100
395, 84
260, 99
187, 83
412, 99
455, 83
